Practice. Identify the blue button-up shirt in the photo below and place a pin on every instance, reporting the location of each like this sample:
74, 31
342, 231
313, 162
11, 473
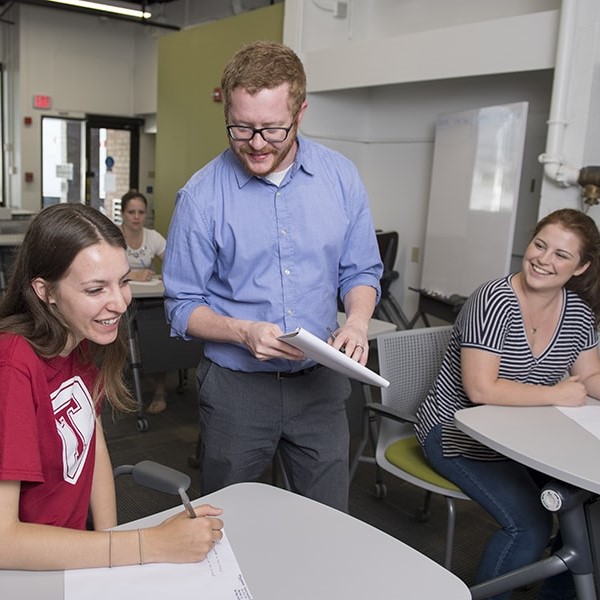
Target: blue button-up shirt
251, 250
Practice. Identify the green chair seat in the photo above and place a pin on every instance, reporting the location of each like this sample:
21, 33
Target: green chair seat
406, 454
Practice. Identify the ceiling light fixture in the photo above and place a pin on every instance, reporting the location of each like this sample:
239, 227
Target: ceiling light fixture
109, 8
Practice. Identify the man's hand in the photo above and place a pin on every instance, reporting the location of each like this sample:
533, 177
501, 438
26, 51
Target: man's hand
352, 340
261, 339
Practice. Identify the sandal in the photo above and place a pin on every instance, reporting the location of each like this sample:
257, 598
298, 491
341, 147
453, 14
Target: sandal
158, 404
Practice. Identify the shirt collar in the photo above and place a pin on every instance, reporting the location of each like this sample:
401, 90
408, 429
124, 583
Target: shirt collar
304, 160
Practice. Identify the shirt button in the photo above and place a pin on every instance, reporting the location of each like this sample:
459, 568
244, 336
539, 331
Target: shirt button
286, 271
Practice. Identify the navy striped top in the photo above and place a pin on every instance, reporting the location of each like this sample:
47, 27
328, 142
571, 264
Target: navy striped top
491, 320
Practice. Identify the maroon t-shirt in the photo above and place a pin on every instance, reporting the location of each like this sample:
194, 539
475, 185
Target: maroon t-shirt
47, 432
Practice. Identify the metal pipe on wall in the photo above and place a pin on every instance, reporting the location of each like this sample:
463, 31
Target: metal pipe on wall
554, 161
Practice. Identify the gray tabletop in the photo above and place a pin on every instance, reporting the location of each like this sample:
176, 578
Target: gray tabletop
291, 548
541, 437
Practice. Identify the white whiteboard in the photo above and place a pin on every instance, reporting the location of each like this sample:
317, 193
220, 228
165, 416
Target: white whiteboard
473, 198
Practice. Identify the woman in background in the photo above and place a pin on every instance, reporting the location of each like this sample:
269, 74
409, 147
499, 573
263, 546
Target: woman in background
62, 352
143, 246
528, 339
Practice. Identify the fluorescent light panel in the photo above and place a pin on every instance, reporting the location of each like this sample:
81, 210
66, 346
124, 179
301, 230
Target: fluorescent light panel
111, 8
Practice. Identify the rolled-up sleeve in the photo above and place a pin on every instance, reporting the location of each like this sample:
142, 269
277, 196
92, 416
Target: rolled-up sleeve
188, 264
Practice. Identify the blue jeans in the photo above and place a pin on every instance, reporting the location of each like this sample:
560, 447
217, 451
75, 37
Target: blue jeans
508, 491
246, 417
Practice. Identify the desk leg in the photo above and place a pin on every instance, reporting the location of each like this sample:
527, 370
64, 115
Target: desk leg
419, 315
393, 312
135, 364
575, 554
368, 425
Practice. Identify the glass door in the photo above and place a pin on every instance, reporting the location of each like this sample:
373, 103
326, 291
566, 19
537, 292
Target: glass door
93, 161
113, 162
63, 160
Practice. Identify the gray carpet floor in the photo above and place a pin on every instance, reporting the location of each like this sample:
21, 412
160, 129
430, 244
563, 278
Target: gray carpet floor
171, 439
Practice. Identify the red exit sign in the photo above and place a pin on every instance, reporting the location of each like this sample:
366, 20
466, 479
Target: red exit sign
42, 102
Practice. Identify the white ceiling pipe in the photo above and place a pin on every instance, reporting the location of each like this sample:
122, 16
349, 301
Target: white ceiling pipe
554, 161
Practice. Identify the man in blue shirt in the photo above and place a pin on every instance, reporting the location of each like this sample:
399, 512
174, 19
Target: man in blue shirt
261, 241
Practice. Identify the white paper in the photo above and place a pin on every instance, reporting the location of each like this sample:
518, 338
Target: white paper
320, 351
587, 416
217, 577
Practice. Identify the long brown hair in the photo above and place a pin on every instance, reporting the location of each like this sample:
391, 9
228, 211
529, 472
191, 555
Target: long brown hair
587, 285
52, 241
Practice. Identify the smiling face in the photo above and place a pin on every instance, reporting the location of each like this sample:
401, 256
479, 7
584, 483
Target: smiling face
552, 257
134, 214
266, 108
93, 295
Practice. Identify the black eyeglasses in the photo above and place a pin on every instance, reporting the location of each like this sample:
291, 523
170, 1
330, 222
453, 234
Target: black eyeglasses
240, 133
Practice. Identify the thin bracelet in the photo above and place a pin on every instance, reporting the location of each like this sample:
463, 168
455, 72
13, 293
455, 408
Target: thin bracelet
140, 546
110, 548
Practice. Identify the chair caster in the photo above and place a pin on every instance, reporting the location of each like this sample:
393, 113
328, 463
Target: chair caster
380, 490
142, 424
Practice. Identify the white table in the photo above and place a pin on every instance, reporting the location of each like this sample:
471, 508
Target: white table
540, 437
147, 289
292, 548
545, 439
11, 239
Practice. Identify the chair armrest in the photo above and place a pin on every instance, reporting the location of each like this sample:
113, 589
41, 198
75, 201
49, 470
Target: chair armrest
390, 413
155, 476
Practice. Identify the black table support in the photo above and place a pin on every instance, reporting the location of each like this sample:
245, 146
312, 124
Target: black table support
442, 307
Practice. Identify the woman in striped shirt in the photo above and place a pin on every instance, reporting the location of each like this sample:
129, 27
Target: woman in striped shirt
528, 339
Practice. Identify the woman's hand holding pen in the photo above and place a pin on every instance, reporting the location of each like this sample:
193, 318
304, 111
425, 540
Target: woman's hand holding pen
181, 539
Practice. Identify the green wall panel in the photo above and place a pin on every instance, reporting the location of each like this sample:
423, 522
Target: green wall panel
190, 125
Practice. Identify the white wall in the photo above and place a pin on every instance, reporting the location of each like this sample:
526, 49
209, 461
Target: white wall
388, 131
379, 77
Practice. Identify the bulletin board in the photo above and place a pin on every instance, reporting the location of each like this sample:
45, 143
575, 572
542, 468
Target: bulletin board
473, 199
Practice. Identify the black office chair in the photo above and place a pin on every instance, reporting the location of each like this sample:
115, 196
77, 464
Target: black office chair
388, 308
